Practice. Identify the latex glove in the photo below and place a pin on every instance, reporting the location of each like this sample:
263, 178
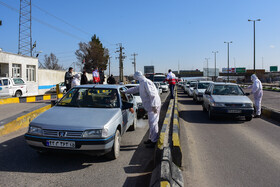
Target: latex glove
154, 109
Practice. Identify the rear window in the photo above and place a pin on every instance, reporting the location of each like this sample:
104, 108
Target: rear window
203, 85
227, 90
192, 84
18, 81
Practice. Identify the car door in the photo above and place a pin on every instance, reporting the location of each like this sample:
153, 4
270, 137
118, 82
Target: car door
125, 112
206, 97
4, 87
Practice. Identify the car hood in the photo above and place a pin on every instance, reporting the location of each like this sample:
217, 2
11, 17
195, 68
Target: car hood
79, 119
231, 99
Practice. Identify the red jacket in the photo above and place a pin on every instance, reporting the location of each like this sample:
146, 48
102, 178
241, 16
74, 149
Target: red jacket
171, 78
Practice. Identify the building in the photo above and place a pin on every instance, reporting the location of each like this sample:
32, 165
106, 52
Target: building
14, 65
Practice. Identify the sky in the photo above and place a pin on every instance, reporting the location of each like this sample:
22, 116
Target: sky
168, 34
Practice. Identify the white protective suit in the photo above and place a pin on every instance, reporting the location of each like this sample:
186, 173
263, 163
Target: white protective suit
151, 102
76, 81
257, 91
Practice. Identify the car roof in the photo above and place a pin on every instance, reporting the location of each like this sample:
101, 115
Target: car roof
205, 81
224, 83
109, 86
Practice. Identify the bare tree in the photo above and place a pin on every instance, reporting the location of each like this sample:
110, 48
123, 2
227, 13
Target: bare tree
51, 62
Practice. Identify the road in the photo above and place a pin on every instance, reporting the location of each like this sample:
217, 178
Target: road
22, 166
227, 152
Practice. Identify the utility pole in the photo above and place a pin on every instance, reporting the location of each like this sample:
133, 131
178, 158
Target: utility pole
121, 58
215, 53
134, 61
207, 66
228, 58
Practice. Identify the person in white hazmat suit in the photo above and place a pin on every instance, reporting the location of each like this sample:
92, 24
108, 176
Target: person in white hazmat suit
76, 80
151, 102
257, 91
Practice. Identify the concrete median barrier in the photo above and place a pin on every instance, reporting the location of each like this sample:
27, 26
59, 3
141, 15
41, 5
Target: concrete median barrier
22, 121
168, 151
271, 113
29, 99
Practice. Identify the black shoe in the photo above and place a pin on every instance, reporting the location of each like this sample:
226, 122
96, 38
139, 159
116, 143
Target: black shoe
257, 116
148, 142
151, 145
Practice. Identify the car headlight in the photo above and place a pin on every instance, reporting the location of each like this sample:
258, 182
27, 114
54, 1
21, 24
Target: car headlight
248, 105
35, 130
217, 104
93, 133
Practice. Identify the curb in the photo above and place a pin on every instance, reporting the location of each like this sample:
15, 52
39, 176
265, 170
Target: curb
176, 146
271, 113
29, 99
22, 121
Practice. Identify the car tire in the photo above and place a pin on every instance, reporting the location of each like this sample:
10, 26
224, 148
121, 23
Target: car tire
210, 114
248, 118
134, 124
115, 152
18, 93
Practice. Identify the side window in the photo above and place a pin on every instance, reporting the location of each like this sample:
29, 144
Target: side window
126, 97
1, 83
209, 88
18, 81
5, 82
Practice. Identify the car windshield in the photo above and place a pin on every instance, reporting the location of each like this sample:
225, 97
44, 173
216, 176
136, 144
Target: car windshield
203, 85
192, 84
91, 97
137, 94
227, 90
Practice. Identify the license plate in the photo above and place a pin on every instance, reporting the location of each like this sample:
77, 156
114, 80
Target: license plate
54, 143
234, 111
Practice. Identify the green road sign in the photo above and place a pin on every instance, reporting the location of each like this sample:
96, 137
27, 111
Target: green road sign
273, 68
240, 70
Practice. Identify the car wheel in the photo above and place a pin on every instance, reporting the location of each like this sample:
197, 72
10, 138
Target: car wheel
134, 124
115, 152
18, 93
248, 118
210, 115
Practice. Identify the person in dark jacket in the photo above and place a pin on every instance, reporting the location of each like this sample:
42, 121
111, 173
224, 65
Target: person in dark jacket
68, 78
101, 75
84, 79
111, 80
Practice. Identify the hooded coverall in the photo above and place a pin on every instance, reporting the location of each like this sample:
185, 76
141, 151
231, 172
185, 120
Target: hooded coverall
257, 91
151, 102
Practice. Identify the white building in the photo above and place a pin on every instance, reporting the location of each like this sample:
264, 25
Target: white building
14, 65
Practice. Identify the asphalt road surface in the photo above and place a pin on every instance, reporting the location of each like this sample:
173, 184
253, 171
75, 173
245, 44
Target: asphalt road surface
22, 166
227, 152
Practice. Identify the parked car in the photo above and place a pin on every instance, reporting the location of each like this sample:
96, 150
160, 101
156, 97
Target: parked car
221, 99
88, 118
141, 112
190, 88
164, 86
62, 88
157, 84
199, 90
12, 87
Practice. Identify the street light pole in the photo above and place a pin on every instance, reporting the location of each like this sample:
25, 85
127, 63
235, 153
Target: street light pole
228, 59
215, 53
254, 25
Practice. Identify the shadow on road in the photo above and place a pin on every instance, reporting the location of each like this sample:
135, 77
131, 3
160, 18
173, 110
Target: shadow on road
141, 165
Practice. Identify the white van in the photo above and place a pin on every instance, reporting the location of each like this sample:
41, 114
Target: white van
12, 87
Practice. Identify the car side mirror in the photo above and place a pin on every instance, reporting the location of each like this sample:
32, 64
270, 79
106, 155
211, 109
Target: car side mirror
126, 105
188, 86
53, 102
247, 94
194, 88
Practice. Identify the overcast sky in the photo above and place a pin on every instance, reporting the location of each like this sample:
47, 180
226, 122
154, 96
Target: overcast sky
164, 33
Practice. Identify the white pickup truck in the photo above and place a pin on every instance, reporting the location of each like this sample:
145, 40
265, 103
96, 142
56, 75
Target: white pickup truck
12, 87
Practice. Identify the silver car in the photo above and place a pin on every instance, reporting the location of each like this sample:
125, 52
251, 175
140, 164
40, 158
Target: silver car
199, 90
227, 99
89, 118
190, 88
